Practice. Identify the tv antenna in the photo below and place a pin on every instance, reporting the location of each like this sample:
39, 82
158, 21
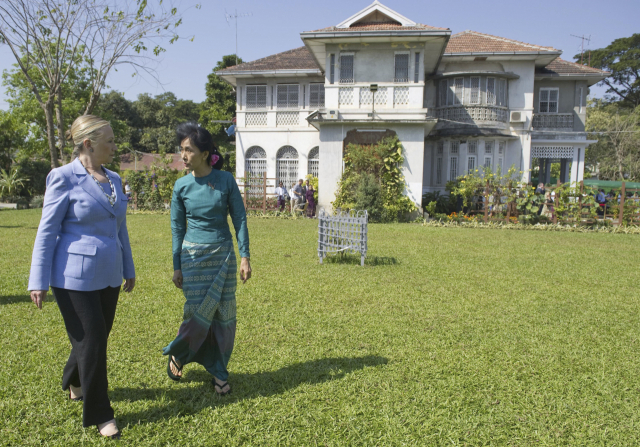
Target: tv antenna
235, 16
588, 39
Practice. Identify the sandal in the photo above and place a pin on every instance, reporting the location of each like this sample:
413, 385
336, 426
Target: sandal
222, 385
170, 373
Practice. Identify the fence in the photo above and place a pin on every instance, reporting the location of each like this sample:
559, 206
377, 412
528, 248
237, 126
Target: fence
344, 232
255, 195
566, 205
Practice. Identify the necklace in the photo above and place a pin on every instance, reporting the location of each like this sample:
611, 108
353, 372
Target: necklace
110, 197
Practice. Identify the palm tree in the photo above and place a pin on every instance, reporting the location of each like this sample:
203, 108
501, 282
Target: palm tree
10, 183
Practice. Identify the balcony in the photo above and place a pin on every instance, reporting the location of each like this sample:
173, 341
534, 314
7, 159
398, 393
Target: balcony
472, 114
562, 121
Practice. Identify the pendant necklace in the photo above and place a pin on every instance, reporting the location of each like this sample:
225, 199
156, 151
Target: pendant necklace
110, 197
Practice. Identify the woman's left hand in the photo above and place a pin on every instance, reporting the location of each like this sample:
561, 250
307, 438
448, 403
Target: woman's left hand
129, 284
245, 270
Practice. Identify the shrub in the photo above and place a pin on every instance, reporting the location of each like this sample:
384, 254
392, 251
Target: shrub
380, 163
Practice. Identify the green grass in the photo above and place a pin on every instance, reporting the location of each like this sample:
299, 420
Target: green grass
445, 337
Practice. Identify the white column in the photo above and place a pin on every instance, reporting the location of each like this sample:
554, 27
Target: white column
574, 166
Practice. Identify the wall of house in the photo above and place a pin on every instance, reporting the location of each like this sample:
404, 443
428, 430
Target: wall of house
302, 140
331, 148
569, 99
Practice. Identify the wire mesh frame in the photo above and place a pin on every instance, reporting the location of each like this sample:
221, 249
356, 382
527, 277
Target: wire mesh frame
342, 232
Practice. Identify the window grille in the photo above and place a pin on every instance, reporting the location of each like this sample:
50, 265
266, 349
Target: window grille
287, 118
499, 164
256, 97
345, 96
548, 100
416, 69
491, 91
472, 147
366, 96
316, 95
313, 163
401, 95
502, 92
287, 166
471, 164
287, 96
332, 69
453, 168
450, 92
255, 161
346, 69
454, 147
255, 119
443, 93
488, 147
487, 162
501, 147
474, 94
440, 149
438, 170
402, 68
304, 96
459, 90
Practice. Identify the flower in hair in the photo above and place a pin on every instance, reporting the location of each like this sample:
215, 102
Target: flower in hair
214, 159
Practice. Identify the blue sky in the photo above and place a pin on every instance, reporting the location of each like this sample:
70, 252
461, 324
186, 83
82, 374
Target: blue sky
273, 27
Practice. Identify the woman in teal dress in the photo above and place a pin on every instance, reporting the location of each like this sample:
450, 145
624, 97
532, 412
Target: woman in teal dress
204, 260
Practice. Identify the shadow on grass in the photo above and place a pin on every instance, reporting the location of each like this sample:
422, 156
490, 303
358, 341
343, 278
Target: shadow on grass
355, 260
4, 300
169, 402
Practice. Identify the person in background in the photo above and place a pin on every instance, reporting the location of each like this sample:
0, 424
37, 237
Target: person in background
281, 193
82, 251
127, 190
311, 201
304, 191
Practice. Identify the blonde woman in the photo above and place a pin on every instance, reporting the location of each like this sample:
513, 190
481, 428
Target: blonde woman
82, 251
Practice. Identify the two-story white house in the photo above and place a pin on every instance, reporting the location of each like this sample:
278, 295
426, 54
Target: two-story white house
456, 102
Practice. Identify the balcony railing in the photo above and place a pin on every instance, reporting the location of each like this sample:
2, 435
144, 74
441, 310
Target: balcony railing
472, 113
553, 121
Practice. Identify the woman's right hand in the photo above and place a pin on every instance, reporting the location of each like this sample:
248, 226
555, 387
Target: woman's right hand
177, 278
38, 296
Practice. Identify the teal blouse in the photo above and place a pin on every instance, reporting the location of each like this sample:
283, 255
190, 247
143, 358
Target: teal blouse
199, 210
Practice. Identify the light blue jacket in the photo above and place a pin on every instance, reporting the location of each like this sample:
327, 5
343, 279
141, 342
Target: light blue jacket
82, 242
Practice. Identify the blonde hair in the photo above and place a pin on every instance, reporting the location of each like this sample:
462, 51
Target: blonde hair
85, 127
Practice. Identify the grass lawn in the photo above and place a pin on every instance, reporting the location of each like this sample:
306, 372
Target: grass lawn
445, 337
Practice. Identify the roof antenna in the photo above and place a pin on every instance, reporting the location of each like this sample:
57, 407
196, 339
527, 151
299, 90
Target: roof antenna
588, 39
235, 16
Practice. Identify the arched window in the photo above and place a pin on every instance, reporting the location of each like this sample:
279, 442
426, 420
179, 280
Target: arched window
287, 166
255, 161
313, 166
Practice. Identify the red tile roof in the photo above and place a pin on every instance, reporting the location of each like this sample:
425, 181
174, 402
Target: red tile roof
296, 59
562, 67
474, 42
146, 160
380, 26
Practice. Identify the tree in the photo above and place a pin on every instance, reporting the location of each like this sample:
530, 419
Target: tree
622, 59
220, 105
50, 36
12, 134
617, 153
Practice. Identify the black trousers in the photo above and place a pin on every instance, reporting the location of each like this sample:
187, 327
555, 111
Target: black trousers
88, 318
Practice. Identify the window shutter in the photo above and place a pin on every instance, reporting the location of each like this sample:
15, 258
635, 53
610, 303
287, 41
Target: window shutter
491, 91
402, 68
346, 69
459, 90
474, 97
